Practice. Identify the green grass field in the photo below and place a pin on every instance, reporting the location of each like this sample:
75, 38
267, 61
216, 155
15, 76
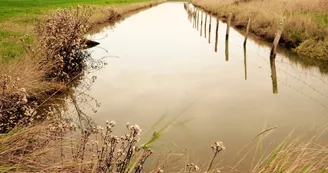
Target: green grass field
18, 17
11, 8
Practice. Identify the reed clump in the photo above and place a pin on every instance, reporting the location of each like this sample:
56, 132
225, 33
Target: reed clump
296, 155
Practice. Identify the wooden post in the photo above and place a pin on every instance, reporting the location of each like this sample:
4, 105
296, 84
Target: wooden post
201, 24
205, 28
245, 62
191, 17
247, 30
273, 57
228, 26
194, 17
209, 29
227, 49
190, 13
198, 19
274, 75
216, 34
276, 40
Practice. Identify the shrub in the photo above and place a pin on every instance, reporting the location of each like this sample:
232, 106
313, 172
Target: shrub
61, 37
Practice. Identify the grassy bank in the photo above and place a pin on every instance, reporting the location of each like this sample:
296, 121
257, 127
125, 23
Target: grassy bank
47, 60
40, 65
306, 21
18, 18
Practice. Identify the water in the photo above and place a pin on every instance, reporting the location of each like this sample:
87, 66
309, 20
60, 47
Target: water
165, 68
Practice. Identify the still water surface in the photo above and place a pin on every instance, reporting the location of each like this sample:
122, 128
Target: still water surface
165, 68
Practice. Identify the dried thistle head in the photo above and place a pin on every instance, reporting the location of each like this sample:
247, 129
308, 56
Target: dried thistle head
218, 146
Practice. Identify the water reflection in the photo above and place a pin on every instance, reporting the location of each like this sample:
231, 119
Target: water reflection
245, 61
274, 75
205, 30
197, 20
209, 30
216, 35
227, 49
201, 23
149, 80
307, 63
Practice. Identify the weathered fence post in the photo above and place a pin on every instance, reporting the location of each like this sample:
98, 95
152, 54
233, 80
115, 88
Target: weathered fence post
216, 34
209, 29
274, 75
276, 39
273, 57
247, 30
227, 49
201, 24
245, 62
228, 26
205, 28
198, 19
195, 17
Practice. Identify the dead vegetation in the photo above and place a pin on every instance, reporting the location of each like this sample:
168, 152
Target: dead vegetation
305, 20
296, 155
22, 87
61, 37
61, 146
51, 62
49, 66
57, 57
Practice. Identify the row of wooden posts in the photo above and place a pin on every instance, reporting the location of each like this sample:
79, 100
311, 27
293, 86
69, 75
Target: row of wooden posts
197, 13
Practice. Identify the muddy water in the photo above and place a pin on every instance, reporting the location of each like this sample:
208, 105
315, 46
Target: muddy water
165, 69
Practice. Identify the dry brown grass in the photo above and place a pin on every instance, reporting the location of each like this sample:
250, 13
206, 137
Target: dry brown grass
28, 81
55, 57
22, 86
58, 147
24, 149
299, 155
103, 16
28, 73
304, 19
51, 62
